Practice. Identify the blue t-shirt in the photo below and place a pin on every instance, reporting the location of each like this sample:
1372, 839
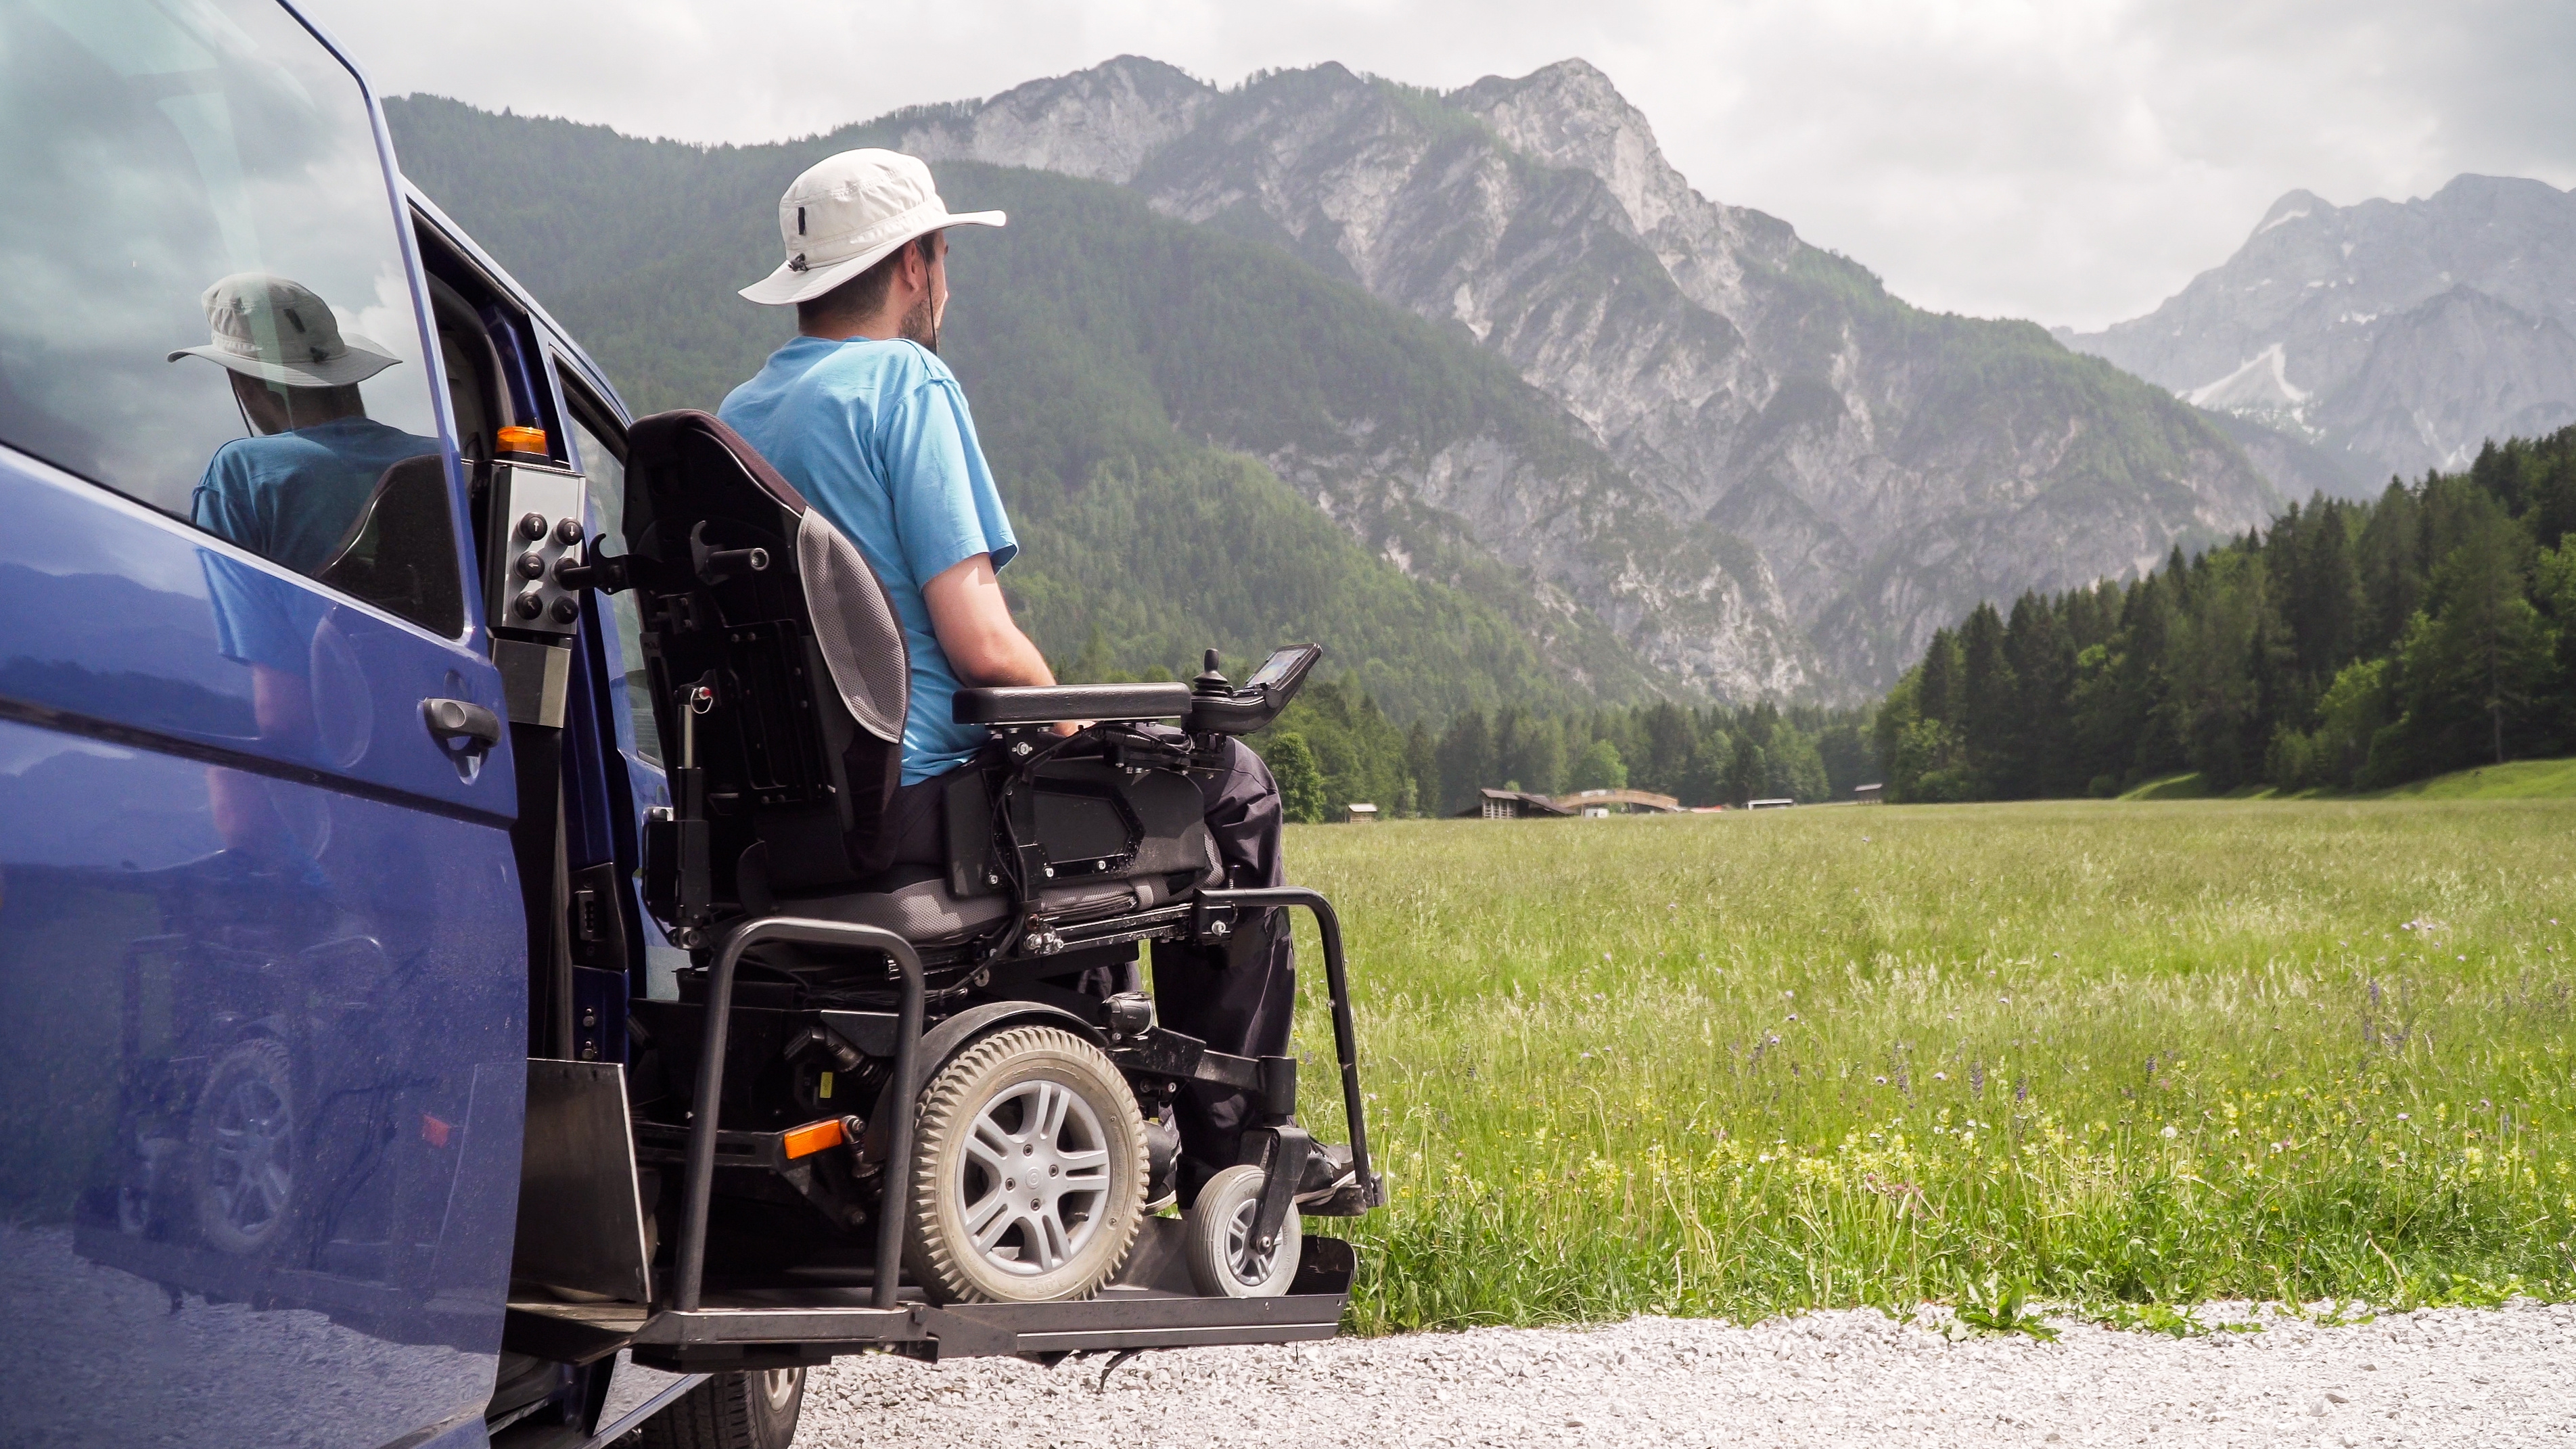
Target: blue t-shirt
877, 435
288, 497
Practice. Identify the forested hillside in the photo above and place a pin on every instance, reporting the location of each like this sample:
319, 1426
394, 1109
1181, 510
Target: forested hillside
1103, 346
2351, 644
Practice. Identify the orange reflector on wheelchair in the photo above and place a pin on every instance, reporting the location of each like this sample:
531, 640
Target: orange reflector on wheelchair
813, 1137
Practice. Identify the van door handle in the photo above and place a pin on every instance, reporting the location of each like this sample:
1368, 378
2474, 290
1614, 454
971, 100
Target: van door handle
462, 721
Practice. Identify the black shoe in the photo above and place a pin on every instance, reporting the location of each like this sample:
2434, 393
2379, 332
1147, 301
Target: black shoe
1328, 1171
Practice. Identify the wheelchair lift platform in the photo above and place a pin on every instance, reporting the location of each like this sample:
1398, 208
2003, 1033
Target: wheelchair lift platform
1152, 1305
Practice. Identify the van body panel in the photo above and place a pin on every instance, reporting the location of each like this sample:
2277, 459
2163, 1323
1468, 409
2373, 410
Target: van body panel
263, 948
113, 628
259, 1104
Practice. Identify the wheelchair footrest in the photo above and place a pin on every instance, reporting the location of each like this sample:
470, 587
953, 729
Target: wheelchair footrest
1350, 1200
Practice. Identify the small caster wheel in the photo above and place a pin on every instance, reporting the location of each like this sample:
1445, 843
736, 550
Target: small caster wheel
1216, 1236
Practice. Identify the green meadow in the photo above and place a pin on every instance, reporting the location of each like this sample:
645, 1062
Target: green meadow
2116, 1053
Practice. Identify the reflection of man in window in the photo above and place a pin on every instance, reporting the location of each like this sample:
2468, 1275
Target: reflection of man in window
290, 492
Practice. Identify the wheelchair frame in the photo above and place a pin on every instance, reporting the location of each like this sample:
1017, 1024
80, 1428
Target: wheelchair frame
808, 1311
692, 1333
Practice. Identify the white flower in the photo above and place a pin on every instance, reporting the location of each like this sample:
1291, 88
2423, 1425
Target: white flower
2170, 1134
1940, 1076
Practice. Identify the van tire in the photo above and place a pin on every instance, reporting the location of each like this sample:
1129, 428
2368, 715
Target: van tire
755, 1410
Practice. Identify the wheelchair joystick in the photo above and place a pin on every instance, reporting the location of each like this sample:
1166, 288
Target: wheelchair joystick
1212, 682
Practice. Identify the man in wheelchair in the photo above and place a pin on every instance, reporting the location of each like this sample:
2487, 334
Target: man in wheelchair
864, 735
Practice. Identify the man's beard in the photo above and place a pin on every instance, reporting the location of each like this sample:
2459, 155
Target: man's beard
921, 324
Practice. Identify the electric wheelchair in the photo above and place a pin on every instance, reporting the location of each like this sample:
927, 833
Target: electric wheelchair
947, 1066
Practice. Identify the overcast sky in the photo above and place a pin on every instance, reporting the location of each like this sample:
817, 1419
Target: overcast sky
2072, 161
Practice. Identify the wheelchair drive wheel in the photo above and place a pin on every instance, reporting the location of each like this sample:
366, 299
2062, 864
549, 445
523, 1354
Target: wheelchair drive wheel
1028, 1175
247, 1148
1217, 1239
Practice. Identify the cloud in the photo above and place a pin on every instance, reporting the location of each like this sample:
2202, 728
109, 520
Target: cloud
2069, 160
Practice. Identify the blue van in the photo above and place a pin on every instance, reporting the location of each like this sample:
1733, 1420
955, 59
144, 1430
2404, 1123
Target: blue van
265, 1010
330, 763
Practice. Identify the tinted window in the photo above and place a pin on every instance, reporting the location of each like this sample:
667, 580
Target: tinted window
203, 302
605, 468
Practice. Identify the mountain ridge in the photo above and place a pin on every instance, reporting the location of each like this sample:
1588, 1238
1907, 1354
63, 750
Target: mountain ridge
2395, 337
1775, 480
1095, 384
1753, 385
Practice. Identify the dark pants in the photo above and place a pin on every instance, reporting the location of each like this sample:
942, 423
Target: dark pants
1239, 997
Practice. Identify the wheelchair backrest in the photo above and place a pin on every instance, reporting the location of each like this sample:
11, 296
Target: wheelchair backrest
746, 589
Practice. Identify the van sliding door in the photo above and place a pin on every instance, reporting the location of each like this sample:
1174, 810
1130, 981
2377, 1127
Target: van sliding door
261, 949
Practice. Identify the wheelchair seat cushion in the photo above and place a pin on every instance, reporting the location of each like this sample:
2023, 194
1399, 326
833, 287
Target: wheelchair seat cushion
915, 903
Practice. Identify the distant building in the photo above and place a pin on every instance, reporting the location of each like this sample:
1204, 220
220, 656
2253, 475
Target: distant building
1617, 802
1868, 794
1781, 804
1511, 805
1360, 814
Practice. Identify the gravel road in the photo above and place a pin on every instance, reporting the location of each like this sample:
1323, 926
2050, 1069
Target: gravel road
2489, 1379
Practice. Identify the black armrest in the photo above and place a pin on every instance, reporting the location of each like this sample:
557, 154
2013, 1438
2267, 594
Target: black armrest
1028, 705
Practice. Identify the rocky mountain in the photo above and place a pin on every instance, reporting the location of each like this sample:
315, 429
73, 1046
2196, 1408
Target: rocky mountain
1104, 347
1813, 475
2394, 337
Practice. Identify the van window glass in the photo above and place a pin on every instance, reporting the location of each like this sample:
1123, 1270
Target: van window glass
605, 469
203, 300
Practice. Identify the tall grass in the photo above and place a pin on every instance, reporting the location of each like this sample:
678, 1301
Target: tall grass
2119, 1052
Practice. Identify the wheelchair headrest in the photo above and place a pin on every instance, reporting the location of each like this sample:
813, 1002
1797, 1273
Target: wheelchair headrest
694, 485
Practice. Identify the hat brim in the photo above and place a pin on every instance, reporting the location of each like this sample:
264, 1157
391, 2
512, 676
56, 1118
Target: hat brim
787, 285
363, 360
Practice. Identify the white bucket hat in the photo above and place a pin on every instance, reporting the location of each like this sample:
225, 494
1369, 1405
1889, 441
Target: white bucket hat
279, 331
846, 214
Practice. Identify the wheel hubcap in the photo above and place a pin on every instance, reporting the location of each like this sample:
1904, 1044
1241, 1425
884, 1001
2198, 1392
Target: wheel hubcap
778, 1386
1034, 1178
252, 1173
1249, 1261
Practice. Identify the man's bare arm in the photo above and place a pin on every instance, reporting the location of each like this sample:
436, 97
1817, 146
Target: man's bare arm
983, 643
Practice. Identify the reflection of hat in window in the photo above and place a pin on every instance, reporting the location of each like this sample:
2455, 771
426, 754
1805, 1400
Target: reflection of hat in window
279, 331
